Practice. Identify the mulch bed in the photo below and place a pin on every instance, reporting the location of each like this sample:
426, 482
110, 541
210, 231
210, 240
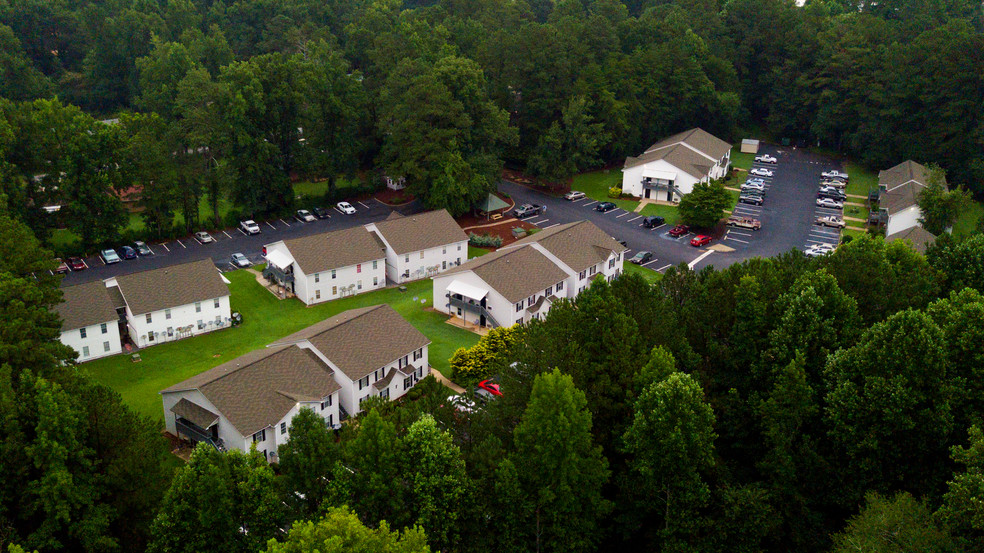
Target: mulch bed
394, 197
504, 230
547, 186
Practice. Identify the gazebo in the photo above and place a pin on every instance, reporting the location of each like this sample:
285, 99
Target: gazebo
489, 204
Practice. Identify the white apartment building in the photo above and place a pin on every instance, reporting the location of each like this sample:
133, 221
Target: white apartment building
670, 168
422, 245
90, 323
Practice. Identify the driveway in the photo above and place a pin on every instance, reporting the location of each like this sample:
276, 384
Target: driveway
232, 240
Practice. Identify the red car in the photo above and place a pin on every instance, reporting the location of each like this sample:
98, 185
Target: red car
62, 267
700, 240
679, 231
76, 263
489, 386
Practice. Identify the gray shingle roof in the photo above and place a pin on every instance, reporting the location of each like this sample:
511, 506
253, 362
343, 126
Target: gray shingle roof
699, 139
517, 273
902, 173
919, 237
579, 245
679, 156
86, 305
256, 390
420, 232
362, 340
172, 286
900, 198
336, 249
194, 413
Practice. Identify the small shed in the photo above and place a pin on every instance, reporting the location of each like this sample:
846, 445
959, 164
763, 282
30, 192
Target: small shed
749, 146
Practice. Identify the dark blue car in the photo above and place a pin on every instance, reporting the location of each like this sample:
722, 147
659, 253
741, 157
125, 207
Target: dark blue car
126, 252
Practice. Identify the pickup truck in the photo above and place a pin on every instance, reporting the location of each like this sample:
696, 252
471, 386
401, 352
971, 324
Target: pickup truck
528, 210
744, 222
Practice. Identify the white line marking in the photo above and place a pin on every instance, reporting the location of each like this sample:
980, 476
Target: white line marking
227, 234
285, 222
699, 258
624, 214
589, 203
271, 226
639, 217
200, 243
739, 233
626, 252
363, 205
182, 245
650, 263
735, 239
578, 200
165, 247
151, 251
611, 211
241, 231
817, 241
659, 227
661, 269
551, 226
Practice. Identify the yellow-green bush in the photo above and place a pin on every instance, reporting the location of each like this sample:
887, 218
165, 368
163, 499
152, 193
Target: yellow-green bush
476, 363
615, 192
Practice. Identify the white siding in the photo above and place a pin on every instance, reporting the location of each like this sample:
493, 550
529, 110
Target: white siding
632, 180
902, 220
372, 275
420, 264
230, 437
180, 316
95, 340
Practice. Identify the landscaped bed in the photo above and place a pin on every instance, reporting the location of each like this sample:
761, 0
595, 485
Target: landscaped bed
265, 319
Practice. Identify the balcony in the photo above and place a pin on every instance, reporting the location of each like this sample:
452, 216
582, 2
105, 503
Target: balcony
473, 307
272, 272
196, 434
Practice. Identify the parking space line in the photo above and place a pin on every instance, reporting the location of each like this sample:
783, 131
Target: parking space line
200, 243
534, 220
589, 203
610, 212
824, 232
551, 226
182, 245
624, 214
165, 246
285, 222
663, 268
271, 226
817, 241
699, 258
241, 231
736, 240
227, 234
637, 218
659, 227
739, 233
363, 205
650, 263
151, 251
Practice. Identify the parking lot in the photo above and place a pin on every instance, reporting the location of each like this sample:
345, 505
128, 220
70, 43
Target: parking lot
229, 241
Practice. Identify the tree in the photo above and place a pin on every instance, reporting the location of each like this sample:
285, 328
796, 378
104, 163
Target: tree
150, 153
19, 79
893, 525
306, 461
340, 531
704, 206
365, 482
560, 469
219, 501
479, 361
670, 444
961, 511
571, 144
939, 207
961, 261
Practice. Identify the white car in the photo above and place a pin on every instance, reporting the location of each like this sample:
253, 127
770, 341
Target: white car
249, 227
753, 186
345, 208
755, 180
834, 174
304, 216
818, 250
204, 237
766, 158
240, 260
829, 203
761, 171
574, 195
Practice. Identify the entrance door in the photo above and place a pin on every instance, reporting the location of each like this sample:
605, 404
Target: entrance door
669, 195
481, 320
647, 192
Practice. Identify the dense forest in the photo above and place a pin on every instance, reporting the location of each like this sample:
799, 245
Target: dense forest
228, 101
783, 404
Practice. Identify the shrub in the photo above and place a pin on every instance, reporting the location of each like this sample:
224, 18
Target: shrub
484, 240
477, 362
615, 192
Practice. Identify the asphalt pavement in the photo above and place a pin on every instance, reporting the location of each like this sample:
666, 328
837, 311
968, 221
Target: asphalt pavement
233, 240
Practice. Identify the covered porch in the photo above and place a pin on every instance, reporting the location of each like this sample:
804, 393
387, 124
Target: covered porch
197, 424
659, 185
470, 304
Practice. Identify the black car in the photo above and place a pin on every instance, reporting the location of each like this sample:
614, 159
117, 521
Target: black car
126, 252
641, 257
142, 248
839, 196
605, 206
321, 213
653, 221
753, 199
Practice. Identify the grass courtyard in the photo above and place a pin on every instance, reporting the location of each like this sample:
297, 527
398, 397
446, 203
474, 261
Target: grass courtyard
265, 319
596, 184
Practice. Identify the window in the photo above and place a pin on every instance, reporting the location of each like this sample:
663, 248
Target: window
283, 428
548, 290
334, 290
418, 354
103, 328
444, 264
560, 286
358, 268
326, 403
459, 247
444, 250
260, 436
581, 276
149, 319
420, 372
218, 320
385, 393
408, 383
519, 321
593, 270
362, 399
317, 277
105, 346
167, 314
317, 294
217, 303
82, 333
170, 331
201, 324
530, 300
421, 255
519, 307
375, 265
331, 422
406, 259
359, 285
333, 274
198, 307
364, 382
458, 262
85, 351
375, 281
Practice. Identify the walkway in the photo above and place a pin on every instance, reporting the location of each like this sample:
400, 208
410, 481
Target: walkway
274, 289
443, 380
646, 201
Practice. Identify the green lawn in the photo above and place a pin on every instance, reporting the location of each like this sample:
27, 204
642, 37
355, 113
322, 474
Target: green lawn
966, 223
853, 233
476, 252
741, 160
315, 189
596, 184
266, 319
856, 211
668, 212
650, 275
861, 179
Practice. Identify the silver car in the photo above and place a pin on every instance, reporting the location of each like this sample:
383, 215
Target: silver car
204, 237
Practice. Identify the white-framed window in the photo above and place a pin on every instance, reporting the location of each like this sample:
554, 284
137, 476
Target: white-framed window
560, 286
359, 285
519, 307
333, 274
217, 303
326, 403
103, 328
444, 264
331, 421
375, 264
530, 300
408, 383
334, 290
317, 277
105, 346
406, 259
201, 324
198, 307
149, 319
385, 393
283, 428
375, 281
548, 290
260, 436
459, 247
358, 267
418, 354
581, 276
167, 314
82, 333
444, 251
85, 351
317, 294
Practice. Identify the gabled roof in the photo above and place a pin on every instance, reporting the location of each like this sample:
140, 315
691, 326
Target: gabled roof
919, 237
336, 249
420, 232
85, 305
907, 171
516, 273
902, 197
698, 139
194, 413
579, 245
383, 382
679, 156
258, 389
362, 340
173, 286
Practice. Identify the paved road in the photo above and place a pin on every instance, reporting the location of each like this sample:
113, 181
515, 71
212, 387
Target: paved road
787, 217
231, 241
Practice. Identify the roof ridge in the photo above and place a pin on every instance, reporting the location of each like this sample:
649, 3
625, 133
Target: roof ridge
165, 268
227, 372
